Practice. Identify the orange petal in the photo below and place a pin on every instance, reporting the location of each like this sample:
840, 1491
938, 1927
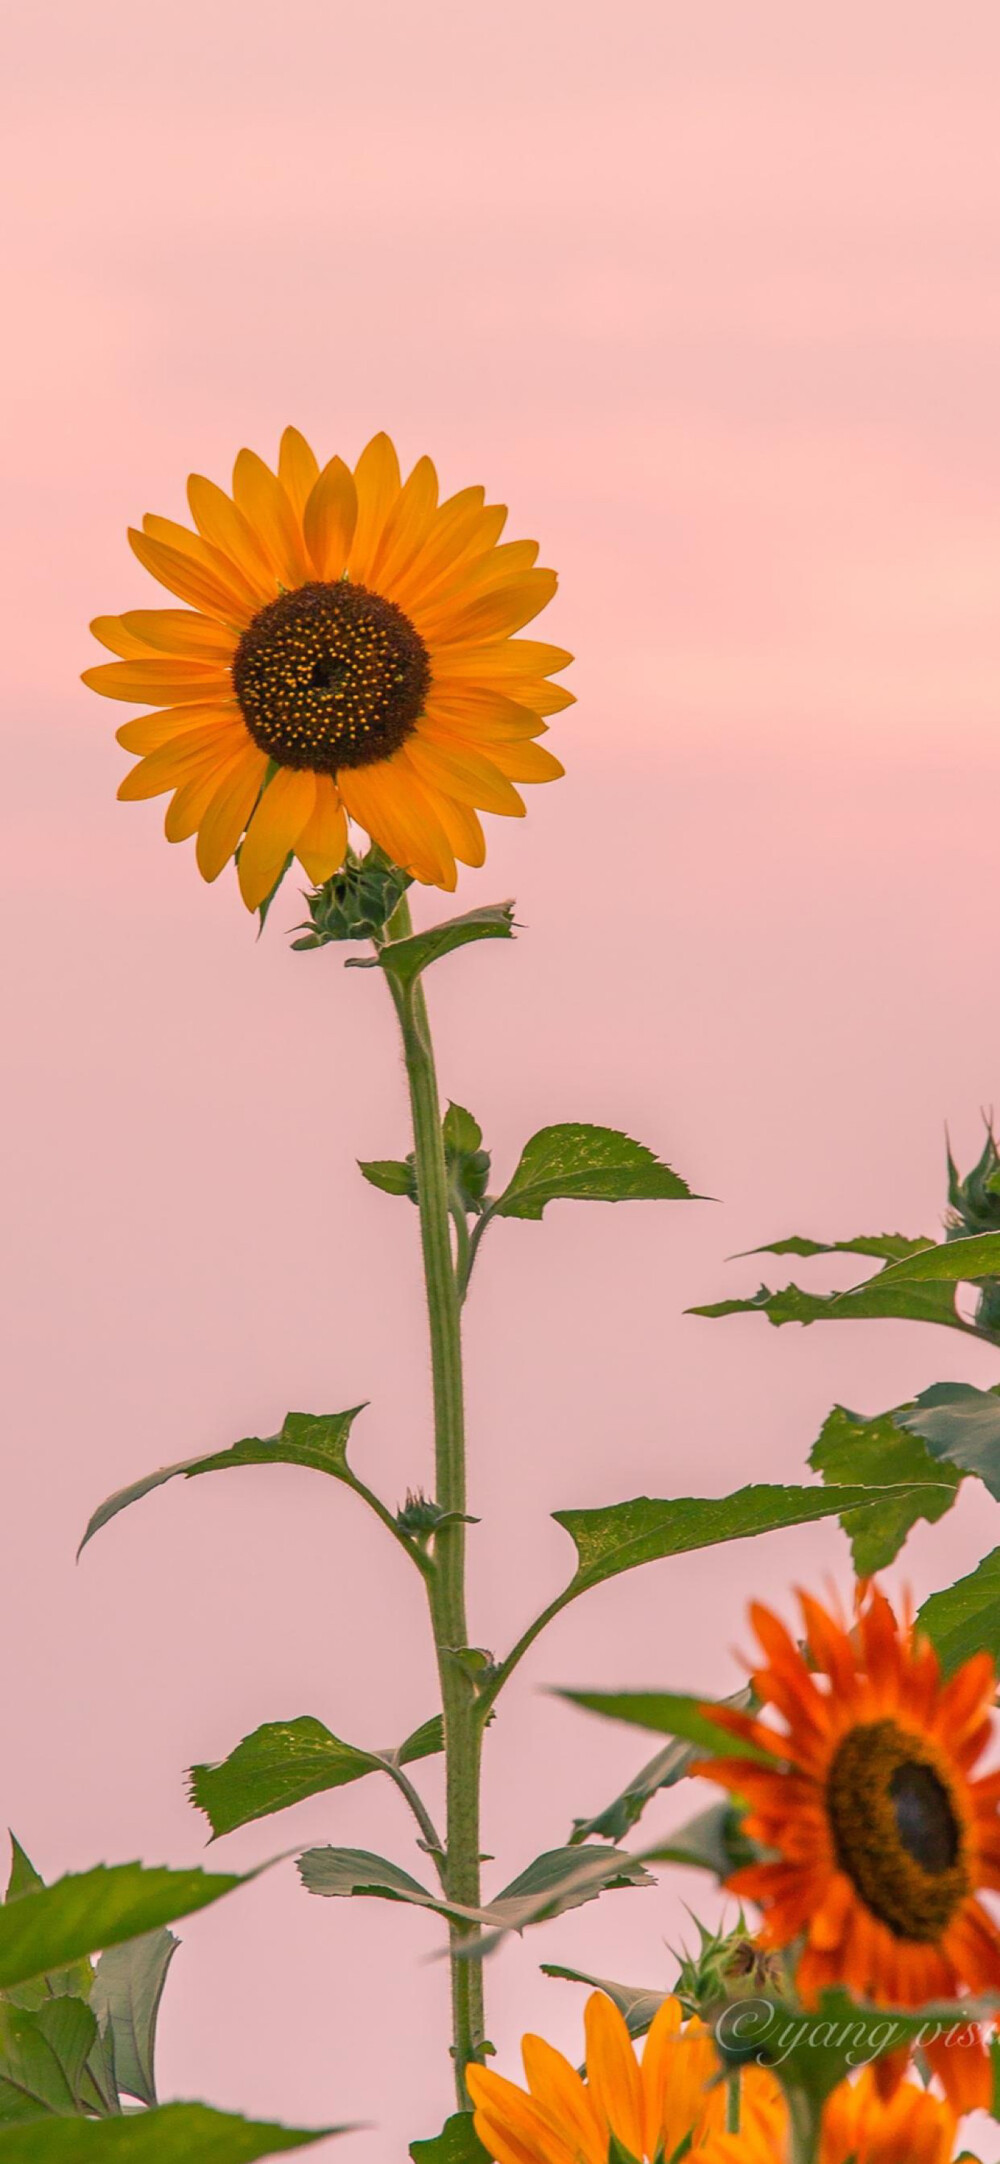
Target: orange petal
406, 528
526, 762
219, 522
147, 732
376, 477
180, 631
465, 774
613, 2073
330, 518
322, 844
263, 502
159, 683
389, 803
298, 470
284, 810
192, 580
225, 816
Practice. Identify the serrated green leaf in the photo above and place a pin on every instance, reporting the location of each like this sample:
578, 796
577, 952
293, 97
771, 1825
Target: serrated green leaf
172, 2134
664, 1771
71, 1982
128, 1987
317, 1440
638, 2005
405, 959
459, 1131
961, 1427
952, 1262
87, 1911
965, 1618
669, 1713
875, 1301
283, 1762
854, 1450
23, 1876
457, 2143
42, 2059
558, 1880
394, 1175
889, 1245
586, 1164
625, 1535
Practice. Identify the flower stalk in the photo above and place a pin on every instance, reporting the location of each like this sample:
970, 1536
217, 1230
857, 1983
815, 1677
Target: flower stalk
446, 1580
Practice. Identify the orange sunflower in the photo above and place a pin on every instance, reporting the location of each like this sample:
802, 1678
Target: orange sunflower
669, 2103
860, 2127
884, 1835
347, 652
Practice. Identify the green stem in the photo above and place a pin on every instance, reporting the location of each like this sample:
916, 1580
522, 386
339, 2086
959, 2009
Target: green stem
733, 2101
446, 1584
805, 2126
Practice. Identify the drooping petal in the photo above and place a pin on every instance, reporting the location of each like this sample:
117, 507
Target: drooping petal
226, 815
322, 844
282, 814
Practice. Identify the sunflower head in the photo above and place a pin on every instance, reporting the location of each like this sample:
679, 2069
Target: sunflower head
883, 1835
347, 652
669, 2102
859, 2126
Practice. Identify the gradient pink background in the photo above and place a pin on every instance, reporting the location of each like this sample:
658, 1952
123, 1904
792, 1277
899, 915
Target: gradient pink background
708, 295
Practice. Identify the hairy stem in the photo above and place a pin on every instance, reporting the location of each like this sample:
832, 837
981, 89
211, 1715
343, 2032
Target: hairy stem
446, 1584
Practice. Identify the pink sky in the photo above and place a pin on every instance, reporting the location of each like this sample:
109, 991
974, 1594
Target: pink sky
709, 296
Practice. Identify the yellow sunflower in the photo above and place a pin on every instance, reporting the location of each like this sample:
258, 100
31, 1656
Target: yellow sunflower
860, 2127
884, 1837
668, 2103
347, 652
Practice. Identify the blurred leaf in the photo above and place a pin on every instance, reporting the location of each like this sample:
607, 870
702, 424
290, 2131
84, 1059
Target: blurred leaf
560, 1879
76, 1979
712, 1841
670, 1713
285, 1761
586, 1164
663, 1771
624, 1535
91, 1910
853, 1450
870, 1302
318, 1440
960, 1425
128, 1987
457, 2143
394, 1175
404, 959
953, 1262
812, 2052
42, 2059
638, 2006
890, 1245
172, 2134
965, 1618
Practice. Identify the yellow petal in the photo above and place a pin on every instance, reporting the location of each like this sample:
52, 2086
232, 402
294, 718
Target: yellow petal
387, 800
462, 829
376, 477
114, 633
322, 845
468, 775
612, 2072
499, 660
480, 716
504, 611
264, 504
199, 551
526, 762
225, 816
465, 526
148, 731
298, 470
330, 518
557, 2089
407, 527
476, 576
546, 698
284, 810
176, 763
191, 580
220, 522
188, 805
159, 683
180, 631
513, 2130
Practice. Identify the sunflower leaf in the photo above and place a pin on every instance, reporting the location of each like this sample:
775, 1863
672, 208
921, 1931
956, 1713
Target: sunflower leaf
76, 1979
961, 1427
283, 1762
810, 2053
711, 1841
43, 2058
457, 2143
88, 1911
637, 2006
874, 1301
128, 1987
965, 1618
670, 1713
405, 959
558, 1880
889, 1246
318, 1440
853, 1449
664, 1771
170, 2134
951, 1262
579, 1162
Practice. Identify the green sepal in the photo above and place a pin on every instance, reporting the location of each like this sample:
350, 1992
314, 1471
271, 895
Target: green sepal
457, 2143
404, 960
468, 1163
356, 903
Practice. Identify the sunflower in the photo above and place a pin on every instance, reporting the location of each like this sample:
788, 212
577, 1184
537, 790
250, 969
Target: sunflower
860, 2127
347, 652
884, 1837
669, 2102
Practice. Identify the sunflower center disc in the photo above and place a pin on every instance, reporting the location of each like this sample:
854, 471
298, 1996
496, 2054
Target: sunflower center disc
896, 1831
330, 676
